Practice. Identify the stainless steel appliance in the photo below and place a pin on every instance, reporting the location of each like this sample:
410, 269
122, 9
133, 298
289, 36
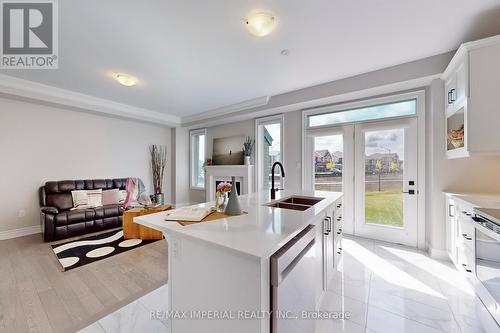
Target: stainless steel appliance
293, 283
487, 257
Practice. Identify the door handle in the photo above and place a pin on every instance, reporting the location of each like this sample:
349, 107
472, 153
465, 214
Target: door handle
410, 192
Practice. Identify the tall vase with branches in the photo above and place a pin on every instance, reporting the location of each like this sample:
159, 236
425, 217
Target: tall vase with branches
158, 155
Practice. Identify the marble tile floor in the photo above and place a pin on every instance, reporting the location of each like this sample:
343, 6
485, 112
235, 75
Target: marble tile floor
384, 287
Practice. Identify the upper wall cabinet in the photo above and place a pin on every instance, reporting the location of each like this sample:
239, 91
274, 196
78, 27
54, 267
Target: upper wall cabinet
472, 83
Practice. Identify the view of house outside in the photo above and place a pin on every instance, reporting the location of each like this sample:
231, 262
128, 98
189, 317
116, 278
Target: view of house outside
384, 156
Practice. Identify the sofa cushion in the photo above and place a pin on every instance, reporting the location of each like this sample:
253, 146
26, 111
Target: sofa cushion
74, 216
108, 211
111, 197
80, 199
62, 201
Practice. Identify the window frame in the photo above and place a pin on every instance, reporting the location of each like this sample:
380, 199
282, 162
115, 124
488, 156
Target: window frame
193, 134
275, 119
370, 102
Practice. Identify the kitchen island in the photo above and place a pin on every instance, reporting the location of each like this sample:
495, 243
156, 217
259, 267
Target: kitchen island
219, 277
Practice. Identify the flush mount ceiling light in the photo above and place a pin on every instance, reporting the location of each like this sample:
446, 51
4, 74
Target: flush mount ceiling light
125, 79
260, 23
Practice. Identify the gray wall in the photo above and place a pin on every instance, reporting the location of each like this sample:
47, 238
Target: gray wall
40, 143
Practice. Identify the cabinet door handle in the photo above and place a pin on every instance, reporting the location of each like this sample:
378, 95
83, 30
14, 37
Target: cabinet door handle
450, 214
449, 98
325, 227
453, 99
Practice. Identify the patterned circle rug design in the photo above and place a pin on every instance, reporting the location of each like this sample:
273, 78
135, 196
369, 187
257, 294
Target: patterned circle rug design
86, 250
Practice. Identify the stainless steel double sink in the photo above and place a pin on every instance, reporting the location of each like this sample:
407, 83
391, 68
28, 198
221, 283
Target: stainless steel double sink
295, 202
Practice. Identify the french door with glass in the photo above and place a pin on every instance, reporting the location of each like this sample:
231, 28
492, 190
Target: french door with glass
374, 164
385, 194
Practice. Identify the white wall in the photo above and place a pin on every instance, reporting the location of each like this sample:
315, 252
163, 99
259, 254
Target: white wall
40, 143
478, 174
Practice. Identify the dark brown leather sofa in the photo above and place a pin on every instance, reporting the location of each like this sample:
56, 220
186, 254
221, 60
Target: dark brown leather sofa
59, 222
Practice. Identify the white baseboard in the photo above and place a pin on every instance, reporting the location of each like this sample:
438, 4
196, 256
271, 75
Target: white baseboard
438, 254
36, 229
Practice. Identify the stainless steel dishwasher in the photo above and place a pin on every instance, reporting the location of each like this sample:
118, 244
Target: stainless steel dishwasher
293, 284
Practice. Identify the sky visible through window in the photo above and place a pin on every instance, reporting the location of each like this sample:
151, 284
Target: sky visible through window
398, 109
274, 131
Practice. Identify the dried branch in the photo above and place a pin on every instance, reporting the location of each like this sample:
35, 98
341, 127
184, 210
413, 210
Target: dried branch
158, 162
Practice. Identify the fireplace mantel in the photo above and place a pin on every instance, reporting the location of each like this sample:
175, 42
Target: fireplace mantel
213, 173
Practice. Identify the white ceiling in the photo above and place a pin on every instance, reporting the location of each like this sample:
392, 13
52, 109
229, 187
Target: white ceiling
192, 56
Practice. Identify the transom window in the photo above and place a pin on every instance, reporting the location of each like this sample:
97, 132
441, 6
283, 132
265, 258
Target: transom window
372, 112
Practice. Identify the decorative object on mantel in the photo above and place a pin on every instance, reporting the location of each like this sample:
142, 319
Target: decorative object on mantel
247, 149
233, 205
158, 162
221, 196
227, 151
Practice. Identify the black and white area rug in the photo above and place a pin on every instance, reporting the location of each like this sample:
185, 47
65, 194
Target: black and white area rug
84, 251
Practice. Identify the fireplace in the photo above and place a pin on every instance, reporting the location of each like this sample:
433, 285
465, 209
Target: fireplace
215, 174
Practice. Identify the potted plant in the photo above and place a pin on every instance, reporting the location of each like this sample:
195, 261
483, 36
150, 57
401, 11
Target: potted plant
247, 149
158, 155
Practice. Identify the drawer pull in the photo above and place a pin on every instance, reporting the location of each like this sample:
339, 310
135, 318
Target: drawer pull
466, 237
466, 269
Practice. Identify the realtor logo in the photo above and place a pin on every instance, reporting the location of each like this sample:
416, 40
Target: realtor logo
29, 34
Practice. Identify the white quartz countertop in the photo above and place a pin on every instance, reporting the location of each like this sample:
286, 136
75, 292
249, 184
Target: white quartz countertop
481, 200
260, 232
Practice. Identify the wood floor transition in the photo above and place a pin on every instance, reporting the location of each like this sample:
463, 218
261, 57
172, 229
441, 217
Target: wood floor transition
36, 296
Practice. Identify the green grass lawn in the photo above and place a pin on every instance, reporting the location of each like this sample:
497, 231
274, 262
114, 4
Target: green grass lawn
384, 207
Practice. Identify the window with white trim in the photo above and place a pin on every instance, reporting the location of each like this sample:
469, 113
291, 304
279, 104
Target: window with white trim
197, 158
391, 109
269, 144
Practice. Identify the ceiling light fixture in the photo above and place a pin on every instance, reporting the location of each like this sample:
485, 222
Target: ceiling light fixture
125, 79
260, 23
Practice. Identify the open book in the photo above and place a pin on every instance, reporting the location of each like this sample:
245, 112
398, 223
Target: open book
193, 214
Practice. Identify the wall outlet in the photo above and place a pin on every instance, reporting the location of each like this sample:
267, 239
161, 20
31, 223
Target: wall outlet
21, 213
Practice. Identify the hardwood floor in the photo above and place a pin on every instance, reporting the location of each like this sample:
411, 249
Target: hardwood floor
36, 296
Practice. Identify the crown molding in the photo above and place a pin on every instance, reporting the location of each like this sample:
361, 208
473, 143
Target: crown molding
313, 103
227, 110
33, 91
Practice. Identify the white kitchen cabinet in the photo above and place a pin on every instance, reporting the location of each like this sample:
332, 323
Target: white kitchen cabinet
460, 234
471, 82
457, 84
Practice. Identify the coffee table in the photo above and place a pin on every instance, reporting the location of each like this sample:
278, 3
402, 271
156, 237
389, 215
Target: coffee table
137, 231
